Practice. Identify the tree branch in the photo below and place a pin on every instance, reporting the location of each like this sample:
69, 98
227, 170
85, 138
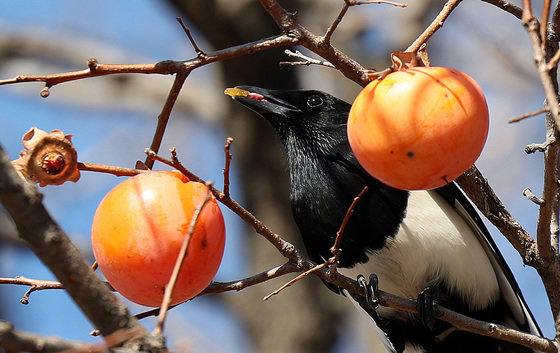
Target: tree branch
476, 187
12, 340
166, 67
163, 117
507, 7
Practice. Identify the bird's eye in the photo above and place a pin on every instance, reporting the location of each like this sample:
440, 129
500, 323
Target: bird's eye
314, 101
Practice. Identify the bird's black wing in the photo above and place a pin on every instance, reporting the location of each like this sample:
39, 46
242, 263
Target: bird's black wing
520, 316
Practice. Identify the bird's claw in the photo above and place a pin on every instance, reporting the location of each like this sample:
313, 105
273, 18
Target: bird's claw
370, 290
427, 305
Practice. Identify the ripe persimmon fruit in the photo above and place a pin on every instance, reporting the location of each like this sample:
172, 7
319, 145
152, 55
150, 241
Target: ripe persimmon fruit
419, 128
138, 230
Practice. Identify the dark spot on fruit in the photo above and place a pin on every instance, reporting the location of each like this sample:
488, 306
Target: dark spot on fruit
392, 152
203, 243
410, 154
446, 95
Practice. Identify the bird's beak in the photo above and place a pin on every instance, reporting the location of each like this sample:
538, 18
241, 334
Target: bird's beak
261, 100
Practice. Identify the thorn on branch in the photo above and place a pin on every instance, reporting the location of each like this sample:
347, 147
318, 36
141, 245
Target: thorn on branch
306, 60
532, 197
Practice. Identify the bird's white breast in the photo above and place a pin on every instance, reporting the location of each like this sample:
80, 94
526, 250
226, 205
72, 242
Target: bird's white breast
433, 244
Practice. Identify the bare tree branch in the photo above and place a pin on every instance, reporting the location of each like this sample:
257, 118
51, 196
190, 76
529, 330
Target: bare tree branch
163, 117
507, 7
12, 340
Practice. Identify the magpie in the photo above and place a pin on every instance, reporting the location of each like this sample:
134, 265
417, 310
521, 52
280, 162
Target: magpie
418, 244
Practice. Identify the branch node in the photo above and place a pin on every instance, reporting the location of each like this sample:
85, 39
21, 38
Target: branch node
44, 93
541, 147
92, 64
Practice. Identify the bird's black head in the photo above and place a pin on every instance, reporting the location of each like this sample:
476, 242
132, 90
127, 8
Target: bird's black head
307, 115
324, 173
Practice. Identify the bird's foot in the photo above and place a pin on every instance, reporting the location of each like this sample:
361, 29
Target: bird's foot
370, 290
427, 305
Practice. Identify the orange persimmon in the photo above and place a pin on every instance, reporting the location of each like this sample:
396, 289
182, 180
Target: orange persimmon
419, 128
139, 227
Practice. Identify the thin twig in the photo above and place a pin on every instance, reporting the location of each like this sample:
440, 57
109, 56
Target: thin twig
226, 169
197, 50
528, 115
109, 169
166, 67
34, 285
163, 68
170, 287
436, 24
297, 278
335, 249
237, 285
163, 117
338, 19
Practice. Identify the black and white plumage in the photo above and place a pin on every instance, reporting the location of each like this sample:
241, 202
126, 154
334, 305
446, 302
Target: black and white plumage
410, 240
